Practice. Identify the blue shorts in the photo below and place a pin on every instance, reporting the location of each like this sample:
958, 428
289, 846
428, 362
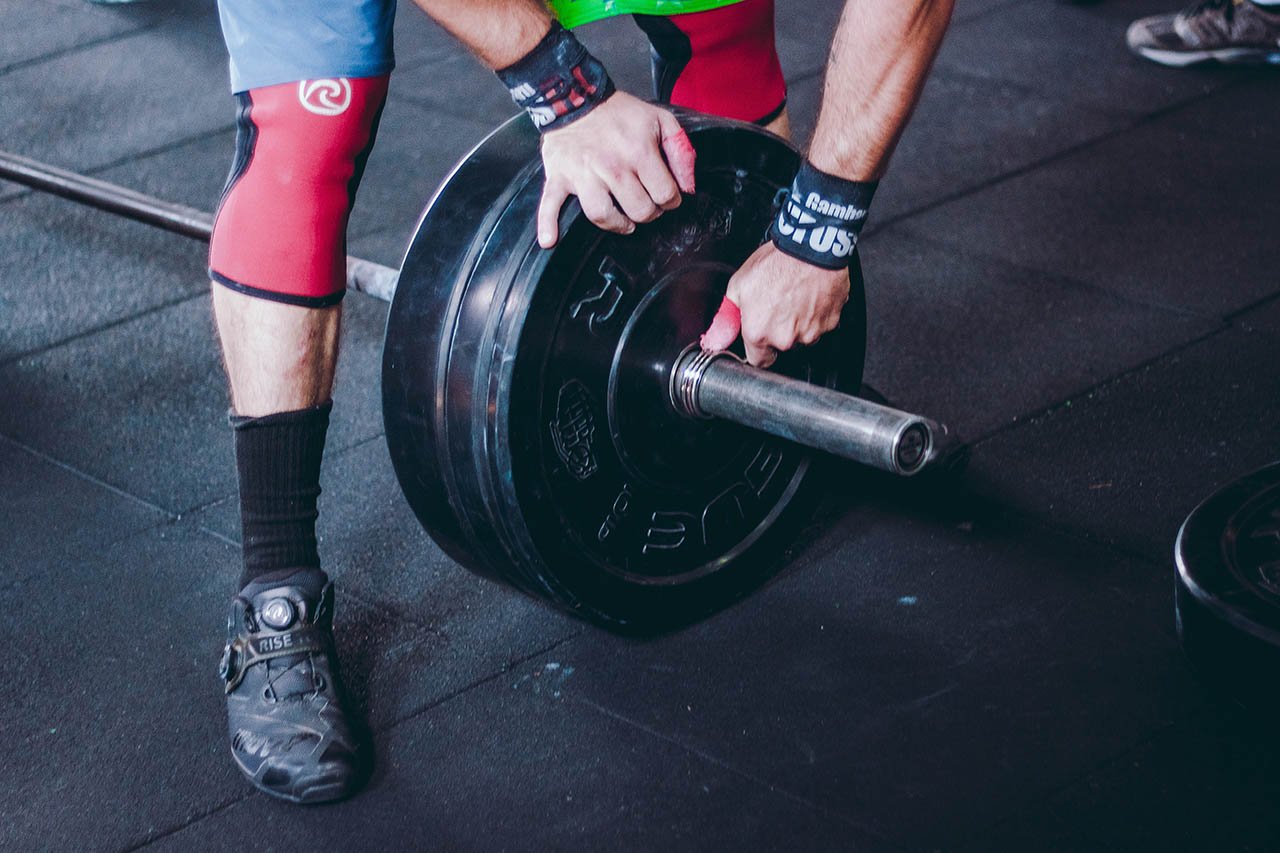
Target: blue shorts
282, 41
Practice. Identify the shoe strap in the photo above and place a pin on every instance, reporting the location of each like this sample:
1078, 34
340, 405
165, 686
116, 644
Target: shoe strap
244, 650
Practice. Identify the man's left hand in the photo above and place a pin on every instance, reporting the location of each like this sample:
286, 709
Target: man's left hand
782, 302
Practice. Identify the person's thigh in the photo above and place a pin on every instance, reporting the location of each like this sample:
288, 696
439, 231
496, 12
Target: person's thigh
278, 41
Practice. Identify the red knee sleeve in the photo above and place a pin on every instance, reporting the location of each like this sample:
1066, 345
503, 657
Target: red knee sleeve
281, 228
732, 68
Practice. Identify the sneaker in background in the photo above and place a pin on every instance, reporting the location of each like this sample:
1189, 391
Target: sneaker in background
1229, 31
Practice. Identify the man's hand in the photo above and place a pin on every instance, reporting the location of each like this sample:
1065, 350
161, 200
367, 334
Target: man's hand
626, 161
783, 302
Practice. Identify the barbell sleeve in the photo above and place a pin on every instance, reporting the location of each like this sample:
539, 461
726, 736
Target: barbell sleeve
365, 276
719, 385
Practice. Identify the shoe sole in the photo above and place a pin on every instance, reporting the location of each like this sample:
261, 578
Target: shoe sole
314, 795
328, 790
1225, 56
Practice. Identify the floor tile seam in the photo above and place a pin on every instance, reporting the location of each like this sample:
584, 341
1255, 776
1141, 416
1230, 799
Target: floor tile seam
10, 361
1040, 414
350, 591
169, 517
754, 780
199, 818
77, 48
1110, 547
506, 668
1216, 87
981, 81
357, 443
968, 78
1077, 534
207, 504
428, 60
1237, 145
165, 148
956, 21
331, 455
1170, 111
80, 552
451, 112
447, 109
1235, 317
135, 157
1007, 516
221, 537
1045, 800
918, 234
1130, 126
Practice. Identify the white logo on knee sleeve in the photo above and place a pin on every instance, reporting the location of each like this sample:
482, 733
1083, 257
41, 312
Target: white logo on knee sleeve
328, 97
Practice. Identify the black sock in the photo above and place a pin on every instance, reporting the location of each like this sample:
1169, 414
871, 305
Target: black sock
278, 458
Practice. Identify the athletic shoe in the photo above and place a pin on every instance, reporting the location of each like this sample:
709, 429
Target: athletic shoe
284, 705
1224, 30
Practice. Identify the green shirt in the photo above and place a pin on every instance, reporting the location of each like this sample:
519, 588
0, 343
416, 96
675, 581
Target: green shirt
573, 13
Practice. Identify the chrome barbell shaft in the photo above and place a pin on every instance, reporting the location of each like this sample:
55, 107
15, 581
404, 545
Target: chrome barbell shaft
719, 385
365, 276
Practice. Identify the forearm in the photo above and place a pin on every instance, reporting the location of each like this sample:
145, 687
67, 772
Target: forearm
498, 32
880, 58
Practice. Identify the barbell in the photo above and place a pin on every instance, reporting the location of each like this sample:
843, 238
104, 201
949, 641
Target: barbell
550, 419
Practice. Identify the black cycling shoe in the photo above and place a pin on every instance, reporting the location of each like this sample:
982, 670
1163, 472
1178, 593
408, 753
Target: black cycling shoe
289, 734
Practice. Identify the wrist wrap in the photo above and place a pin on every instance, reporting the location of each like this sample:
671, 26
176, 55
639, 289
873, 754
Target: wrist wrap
558, 82
820, 217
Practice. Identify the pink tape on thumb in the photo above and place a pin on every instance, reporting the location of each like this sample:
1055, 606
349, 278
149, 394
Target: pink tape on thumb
724, 328
681, 157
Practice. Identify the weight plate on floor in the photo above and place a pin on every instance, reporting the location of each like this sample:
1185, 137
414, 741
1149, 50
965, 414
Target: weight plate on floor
525, 391
1227, 591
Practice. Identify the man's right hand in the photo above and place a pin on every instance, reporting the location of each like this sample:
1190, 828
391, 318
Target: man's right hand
626, 161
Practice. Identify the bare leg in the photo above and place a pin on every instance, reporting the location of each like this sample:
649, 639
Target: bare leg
279, 358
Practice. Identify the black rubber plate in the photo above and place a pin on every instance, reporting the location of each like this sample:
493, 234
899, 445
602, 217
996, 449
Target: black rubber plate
1227, 589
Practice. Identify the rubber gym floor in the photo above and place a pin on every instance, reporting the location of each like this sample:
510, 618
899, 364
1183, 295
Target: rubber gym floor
1075, 261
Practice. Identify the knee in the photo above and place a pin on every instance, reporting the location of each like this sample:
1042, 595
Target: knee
280, 232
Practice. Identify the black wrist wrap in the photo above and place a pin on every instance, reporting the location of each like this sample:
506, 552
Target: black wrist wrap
820, 217
558, 82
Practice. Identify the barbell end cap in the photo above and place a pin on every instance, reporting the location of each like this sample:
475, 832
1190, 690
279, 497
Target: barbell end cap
913, 450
